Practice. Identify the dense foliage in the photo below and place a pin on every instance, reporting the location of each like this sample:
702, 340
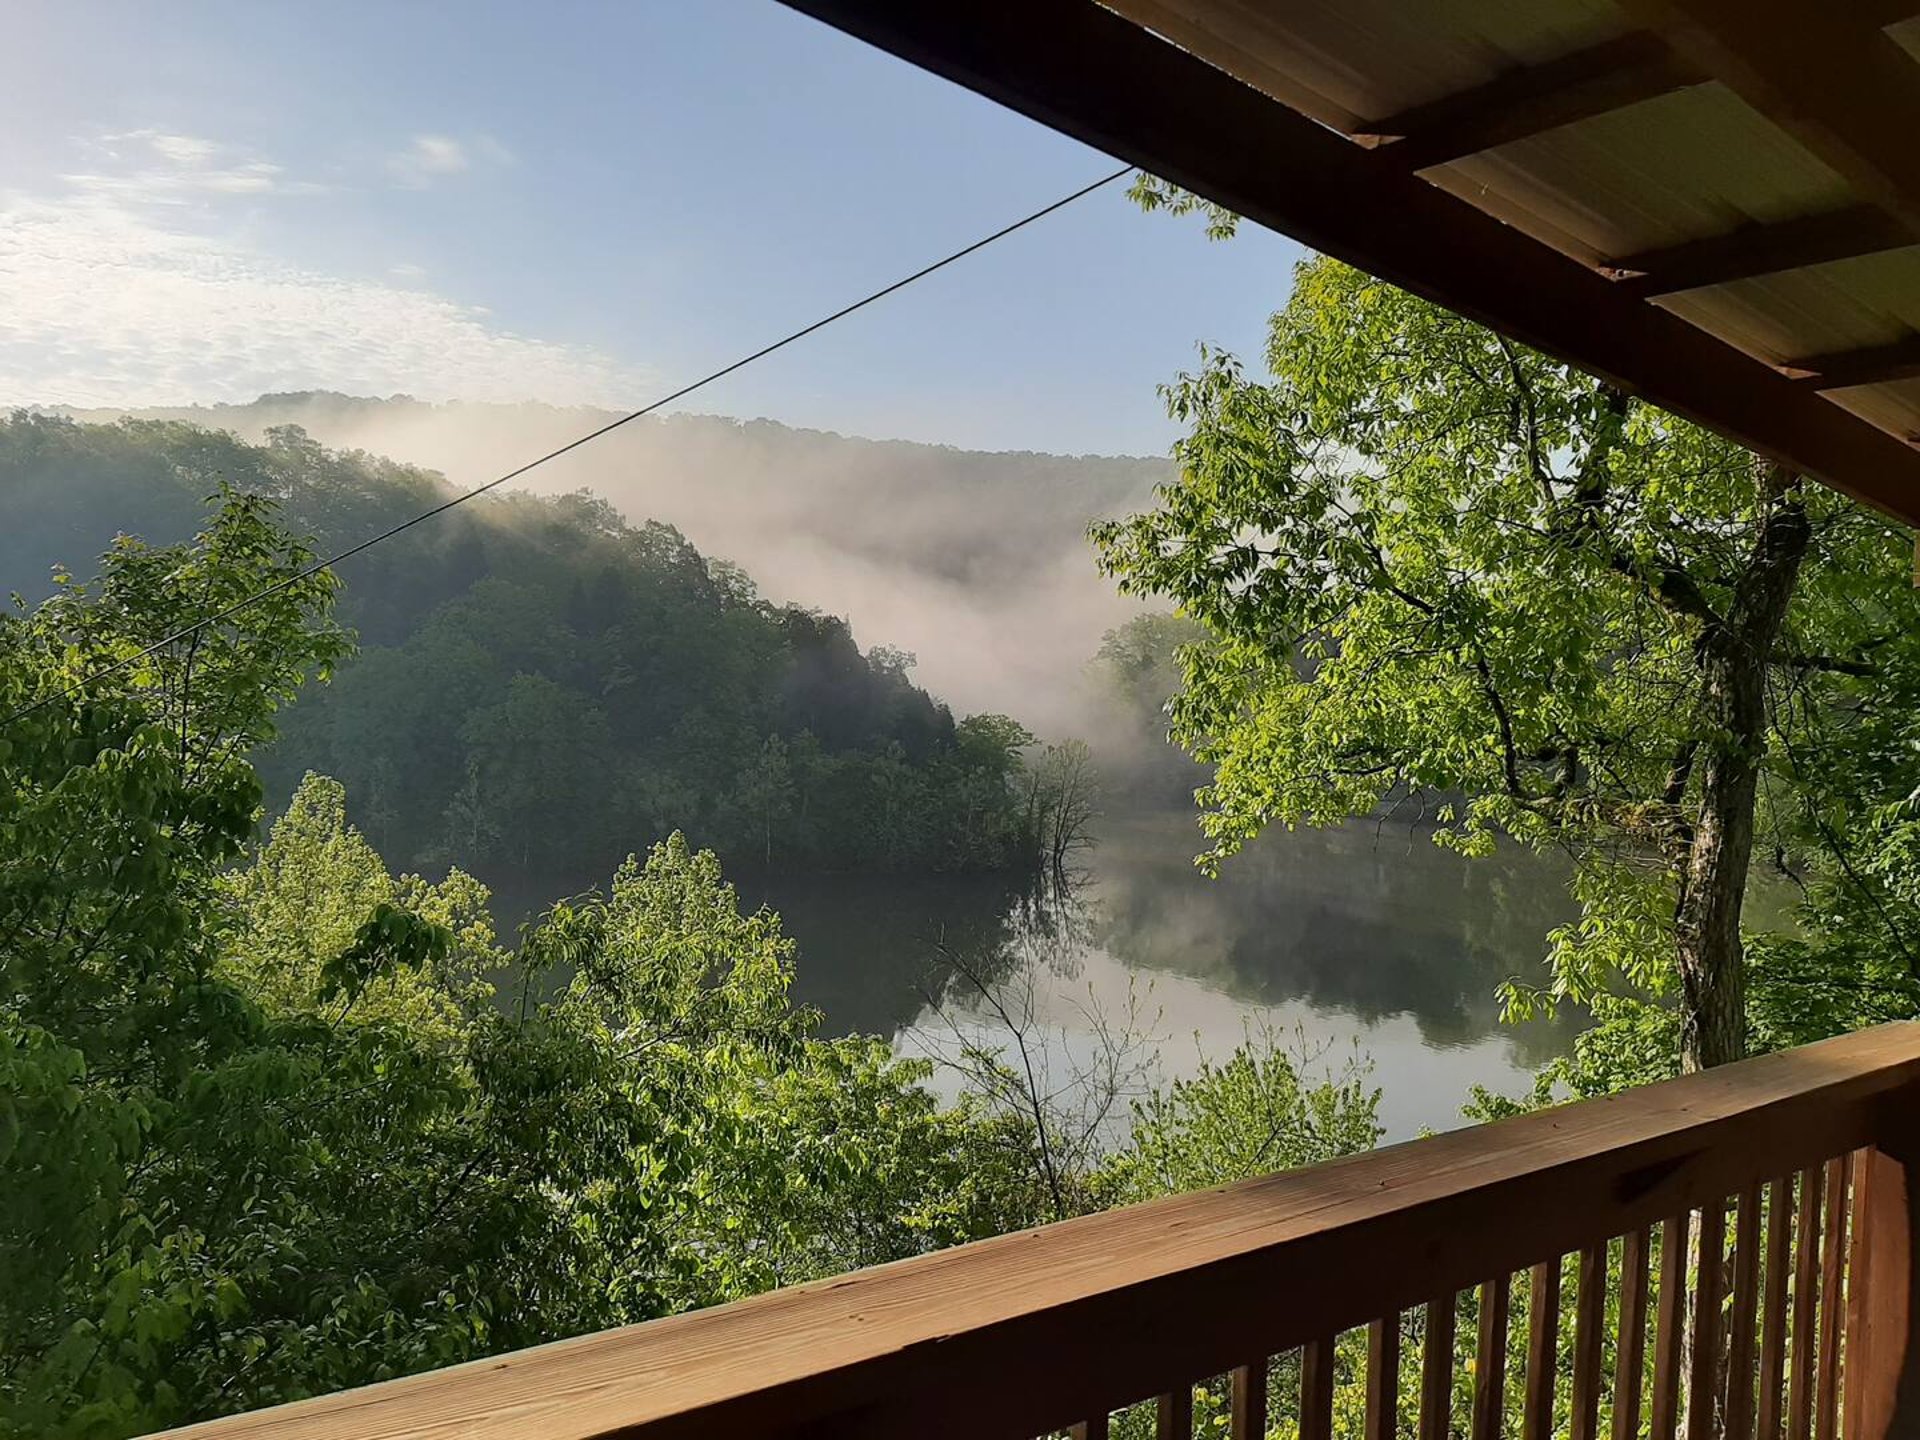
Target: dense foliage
270, 1131
542, 684
275, 1121
1440, 572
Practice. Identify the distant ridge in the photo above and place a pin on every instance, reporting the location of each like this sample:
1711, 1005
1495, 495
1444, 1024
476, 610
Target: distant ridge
976, 561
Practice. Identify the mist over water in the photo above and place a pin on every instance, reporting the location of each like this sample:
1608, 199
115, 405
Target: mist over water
976, 562
1363, 936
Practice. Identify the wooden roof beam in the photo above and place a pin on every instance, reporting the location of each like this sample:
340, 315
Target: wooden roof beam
1827, 74
1760, 249
1882, 13
1531, 99
1868, 365
1087, 71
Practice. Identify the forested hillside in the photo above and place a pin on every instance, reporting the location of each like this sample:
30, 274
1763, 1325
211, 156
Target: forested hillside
955, 551
543, 684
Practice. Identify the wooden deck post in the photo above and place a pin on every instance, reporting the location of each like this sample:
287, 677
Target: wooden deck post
1882, 1391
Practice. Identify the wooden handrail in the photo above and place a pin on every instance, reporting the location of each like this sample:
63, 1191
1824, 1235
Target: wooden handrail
1035, 1331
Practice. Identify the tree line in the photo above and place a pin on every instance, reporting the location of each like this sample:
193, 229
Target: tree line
542, 685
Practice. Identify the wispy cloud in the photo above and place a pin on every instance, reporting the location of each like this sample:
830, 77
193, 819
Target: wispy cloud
155, 166
428, 158
131, 285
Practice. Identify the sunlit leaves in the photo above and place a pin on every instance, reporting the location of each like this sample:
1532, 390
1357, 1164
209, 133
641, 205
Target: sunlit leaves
1448, 578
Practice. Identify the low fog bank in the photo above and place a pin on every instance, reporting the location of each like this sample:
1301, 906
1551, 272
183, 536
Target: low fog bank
976, 562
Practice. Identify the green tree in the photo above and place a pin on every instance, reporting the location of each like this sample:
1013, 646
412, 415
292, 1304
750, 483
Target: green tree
1436, 566
310, 888
533, 761
1264, 1108
123, 798
253, 1147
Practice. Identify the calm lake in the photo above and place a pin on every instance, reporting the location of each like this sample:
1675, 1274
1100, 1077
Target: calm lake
1367, 941
1359, 937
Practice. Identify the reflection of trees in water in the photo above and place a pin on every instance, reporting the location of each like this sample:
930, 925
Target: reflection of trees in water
1050, 925
992, 1019
867, 942
871, 947
1375, 922
1370, 924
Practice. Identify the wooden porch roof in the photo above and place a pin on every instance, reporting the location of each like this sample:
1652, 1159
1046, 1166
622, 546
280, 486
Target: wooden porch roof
1713, 203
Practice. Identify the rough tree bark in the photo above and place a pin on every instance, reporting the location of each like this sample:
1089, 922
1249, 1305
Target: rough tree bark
1735, 653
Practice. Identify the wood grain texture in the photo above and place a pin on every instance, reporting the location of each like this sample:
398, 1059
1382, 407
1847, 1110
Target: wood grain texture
1490, 1360
1806, 1294
1383, 1378
1742, 1315
1316, 1389
1543, 1350
1841, 88
1703, 1372
1249, 1413
1773, 1308
1589, 1326
1436, 1369
1630, 1356
1670, 1324
1880, 1368
1075, 1319
1833, 1243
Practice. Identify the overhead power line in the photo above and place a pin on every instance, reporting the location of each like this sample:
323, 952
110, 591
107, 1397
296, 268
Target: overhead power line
188, 631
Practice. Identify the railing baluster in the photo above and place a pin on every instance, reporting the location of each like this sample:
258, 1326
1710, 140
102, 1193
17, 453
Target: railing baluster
1543, 1350
1702, 1389
1589, 1315
1740, 1319
1806, 1275
1833, 1242
1773, 1307
1316, 1389
1250, 1402
1383, 1378
1630, 1357
1173, 1419
1669, 1326
1436, 1370
1490, 1360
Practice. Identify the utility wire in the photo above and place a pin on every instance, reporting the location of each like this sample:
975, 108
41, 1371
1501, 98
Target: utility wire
188, 631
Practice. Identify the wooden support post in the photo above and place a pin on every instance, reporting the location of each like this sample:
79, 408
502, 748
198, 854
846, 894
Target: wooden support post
1882, 1397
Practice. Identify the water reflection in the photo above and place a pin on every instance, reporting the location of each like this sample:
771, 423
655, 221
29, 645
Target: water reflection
1352, 935
1374, 923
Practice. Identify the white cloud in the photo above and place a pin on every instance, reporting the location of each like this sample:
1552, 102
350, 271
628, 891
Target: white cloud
428, 158
116, 302
153, 166
181, 149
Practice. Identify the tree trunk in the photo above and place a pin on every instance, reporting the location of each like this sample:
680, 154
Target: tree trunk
1734, 656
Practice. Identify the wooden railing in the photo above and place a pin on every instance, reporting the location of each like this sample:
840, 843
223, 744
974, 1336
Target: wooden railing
1740, 1265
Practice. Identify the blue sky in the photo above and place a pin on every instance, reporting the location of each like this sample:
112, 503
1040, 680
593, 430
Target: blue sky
573, 202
